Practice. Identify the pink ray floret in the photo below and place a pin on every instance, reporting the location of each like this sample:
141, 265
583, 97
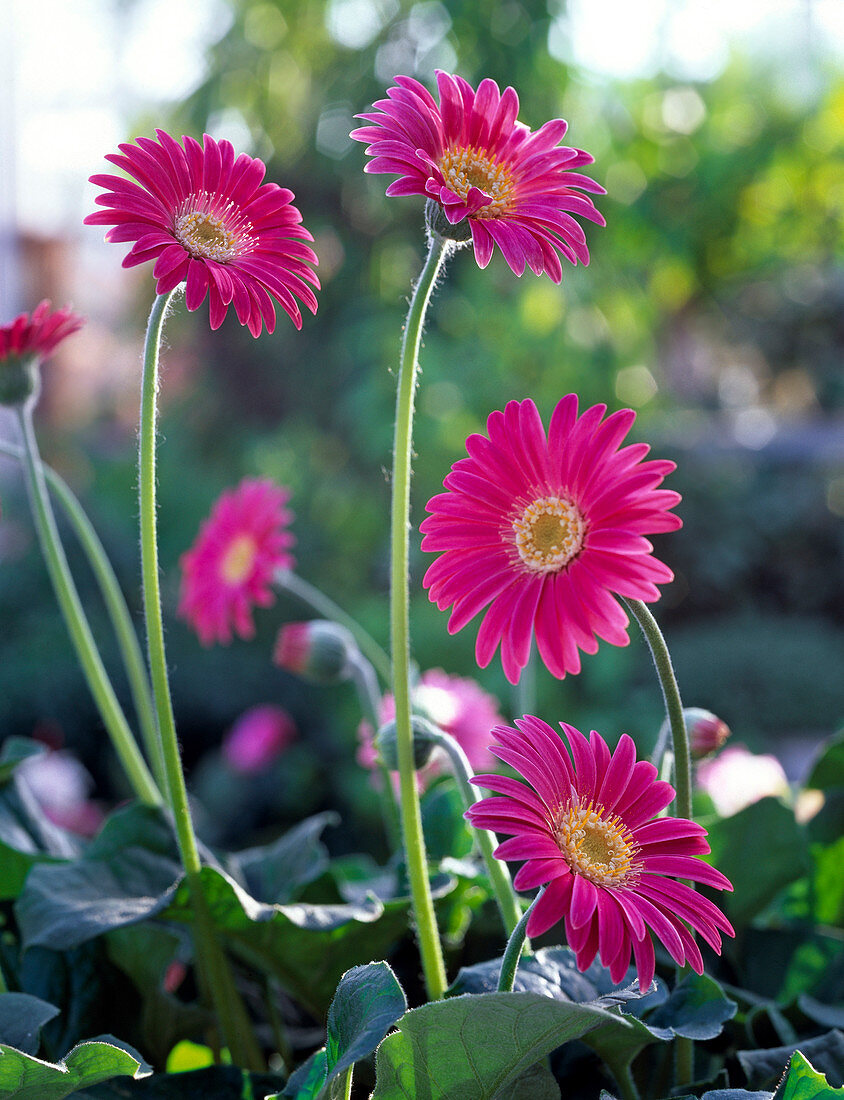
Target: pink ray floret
544, 530
518, 189
37, 334
230, 567
584, 822
208, 220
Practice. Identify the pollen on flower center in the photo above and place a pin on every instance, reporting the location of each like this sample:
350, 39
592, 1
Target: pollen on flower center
238, 559
464, 167
596, 844
209, 232
549, 533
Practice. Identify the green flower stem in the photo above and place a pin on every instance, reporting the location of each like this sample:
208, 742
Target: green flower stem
683, 1048
414, 841
673, 704
499, 876
214, 973
369, 695
76, 620
625, 1082
513, 951
328, 609
127, 639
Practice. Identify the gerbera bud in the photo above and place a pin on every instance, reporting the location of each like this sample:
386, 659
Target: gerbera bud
707, 732
425, 736
24, 343
319, 650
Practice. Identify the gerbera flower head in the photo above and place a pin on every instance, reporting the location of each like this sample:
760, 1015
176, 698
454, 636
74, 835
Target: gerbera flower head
584, 823
468, 153
25, 342
208, 220
544, 528
230, 567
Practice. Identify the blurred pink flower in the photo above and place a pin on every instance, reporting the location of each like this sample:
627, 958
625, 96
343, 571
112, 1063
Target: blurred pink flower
38, 333
470, 155
209, 220
230, 566
258, 737
737, 777
61, 785
457, 705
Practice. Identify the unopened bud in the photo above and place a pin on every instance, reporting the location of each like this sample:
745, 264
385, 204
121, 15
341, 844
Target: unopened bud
20, 379
319, 650
707, 732
425, 735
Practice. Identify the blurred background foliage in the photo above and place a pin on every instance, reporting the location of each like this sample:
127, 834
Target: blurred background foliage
714, 305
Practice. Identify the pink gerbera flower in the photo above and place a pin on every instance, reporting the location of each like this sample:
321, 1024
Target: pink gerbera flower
208, 220
230, 567
468, 153
585, 824
545, 529
38, 333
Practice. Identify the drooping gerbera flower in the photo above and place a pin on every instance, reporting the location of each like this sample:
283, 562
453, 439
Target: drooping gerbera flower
545, 529
208, 220
468, 153
585, 824
259, 736
230, 567
25, 341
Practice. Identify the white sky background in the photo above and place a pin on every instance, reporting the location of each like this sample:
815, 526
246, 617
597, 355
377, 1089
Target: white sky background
73, 74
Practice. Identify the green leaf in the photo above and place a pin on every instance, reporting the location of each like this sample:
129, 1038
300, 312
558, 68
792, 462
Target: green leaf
536, 1083
307, 947
23, 1077
14, 751
366, 1005
761, 849
829, 883
21, 1018
696, 1009
805, 1083
276, 872
27, 837
124, 876
764, 1068
306, 1083
828, 768
447, 833
477, 1045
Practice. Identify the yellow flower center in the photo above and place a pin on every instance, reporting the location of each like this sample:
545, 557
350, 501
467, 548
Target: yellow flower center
211, 230
464, 167
238, 560
549, 533
596, 844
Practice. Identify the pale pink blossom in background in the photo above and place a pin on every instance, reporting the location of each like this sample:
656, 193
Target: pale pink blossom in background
736, 777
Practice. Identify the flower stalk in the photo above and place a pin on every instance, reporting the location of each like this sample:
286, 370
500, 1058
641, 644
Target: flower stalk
115, 603
510, 961
214, 972
414, 841
75, 618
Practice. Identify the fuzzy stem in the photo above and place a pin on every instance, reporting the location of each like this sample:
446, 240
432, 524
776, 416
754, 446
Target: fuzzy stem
684, 1048
512, 953
76, 620
414, 841
499, 876
214, 971
115, 602
294, 584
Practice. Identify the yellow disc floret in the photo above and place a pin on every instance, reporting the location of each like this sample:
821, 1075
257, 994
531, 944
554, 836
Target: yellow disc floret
464, 167
209, 231
596, 844
549, 534
238, 559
